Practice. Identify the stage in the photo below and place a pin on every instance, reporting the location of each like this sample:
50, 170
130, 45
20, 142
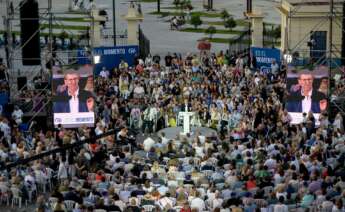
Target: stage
173, 132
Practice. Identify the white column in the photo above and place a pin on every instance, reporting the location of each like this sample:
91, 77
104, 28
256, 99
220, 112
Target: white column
133, 18
257, 31
96, 28
257, 28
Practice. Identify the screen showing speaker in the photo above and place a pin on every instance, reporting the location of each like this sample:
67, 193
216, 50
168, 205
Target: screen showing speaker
73, 96
307, 93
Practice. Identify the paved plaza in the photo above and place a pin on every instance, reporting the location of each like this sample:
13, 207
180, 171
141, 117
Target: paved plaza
156, 29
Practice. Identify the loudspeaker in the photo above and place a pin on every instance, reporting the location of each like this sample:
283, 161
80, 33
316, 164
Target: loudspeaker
21, 82
9, 108
29, 33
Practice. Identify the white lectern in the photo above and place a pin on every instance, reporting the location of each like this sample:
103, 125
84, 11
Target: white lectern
186, 121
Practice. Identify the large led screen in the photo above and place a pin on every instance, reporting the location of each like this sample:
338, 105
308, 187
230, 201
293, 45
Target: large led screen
307, 91
73, 96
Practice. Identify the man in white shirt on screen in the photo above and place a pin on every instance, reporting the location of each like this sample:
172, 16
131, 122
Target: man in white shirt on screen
303, 98
70, 98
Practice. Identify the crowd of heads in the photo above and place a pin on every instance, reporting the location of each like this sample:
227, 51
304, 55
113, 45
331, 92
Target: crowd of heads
257, 159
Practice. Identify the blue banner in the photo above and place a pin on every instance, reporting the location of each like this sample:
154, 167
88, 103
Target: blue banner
110, 57
264, 57
4, 97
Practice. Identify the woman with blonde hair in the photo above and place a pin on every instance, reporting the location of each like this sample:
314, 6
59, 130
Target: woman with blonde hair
181, 199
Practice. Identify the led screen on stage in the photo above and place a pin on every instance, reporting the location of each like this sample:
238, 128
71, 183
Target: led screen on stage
73, 96
307, 91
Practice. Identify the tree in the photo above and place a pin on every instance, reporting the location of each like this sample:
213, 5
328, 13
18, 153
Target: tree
210, 30
176, 3
187, 5
196, 20
224, 14
230, 23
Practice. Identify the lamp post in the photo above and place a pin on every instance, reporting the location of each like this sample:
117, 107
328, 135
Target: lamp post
158, 6
114, 23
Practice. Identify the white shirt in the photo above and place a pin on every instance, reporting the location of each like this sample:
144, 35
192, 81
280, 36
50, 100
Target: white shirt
17, 116
271, 163
163, 202
165, 141
139, 90
306, 103
150, 114
104, 73
217, 203
74, 103
62, 172
197, 203
5, 129
148, 144
280, 208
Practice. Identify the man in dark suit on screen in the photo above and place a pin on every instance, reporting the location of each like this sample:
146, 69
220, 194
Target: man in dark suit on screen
303, 98
70, 98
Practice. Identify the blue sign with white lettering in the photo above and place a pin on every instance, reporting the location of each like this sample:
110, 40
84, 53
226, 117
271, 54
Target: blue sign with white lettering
109, 57
264, 57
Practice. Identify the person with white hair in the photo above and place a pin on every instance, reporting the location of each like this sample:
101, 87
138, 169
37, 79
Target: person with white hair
104, 73
17, 115
338, 123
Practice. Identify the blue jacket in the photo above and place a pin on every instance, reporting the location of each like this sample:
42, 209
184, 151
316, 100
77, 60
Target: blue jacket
294, 101
61, 102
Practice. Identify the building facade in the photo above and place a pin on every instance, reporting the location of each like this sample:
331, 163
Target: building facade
306, 28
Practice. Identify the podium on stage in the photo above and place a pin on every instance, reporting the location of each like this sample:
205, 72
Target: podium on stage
186, 116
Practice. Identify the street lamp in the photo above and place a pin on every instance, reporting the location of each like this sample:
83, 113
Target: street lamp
114, 23
158, 6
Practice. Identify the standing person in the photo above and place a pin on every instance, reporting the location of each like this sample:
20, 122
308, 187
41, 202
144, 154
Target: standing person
156, 59
17, 115
274, 68
62, 172
280, 206
123, 65
168, 60
148, 119
303, 98
239, 63
253, 63
104, 73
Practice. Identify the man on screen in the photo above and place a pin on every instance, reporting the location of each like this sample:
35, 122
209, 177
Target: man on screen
303, 98
70, 98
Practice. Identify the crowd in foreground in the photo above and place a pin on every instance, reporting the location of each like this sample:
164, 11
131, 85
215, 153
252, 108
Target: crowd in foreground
258, 161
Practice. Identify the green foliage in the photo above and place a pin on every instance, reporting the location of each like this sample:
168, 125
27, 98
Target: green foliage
176, 3
196, 20
224, 14
277, 32
230, 23
187, 4
63, 34
210, 30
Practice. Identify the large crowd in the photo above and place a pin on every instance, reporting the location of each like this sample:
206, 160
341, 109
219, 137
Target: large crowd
258, 161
